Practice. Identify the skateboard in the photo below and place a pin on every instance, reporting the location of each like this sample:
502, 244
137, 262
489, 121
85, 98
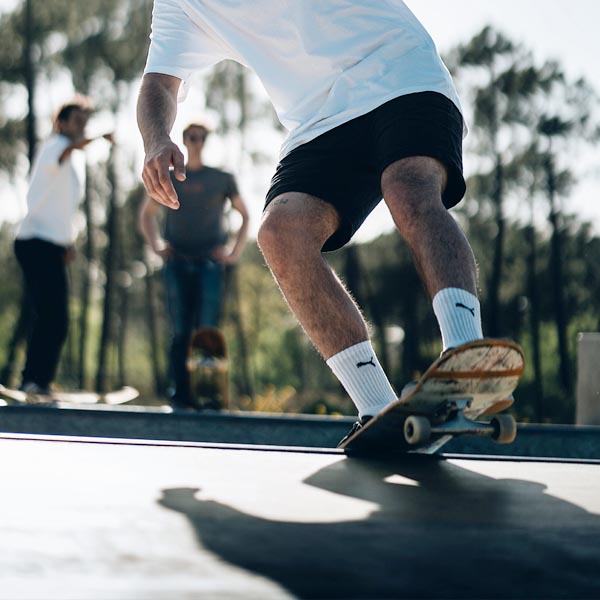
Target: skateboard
58, 398
208, 368
468, 382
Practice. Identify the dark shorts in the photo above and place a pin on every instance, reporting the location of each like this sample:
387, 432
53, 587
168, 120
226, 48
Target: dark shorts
344, 166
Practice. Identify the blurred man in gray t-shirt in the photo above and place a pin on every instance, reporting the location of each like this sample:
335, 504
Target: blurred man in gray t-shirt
193, 248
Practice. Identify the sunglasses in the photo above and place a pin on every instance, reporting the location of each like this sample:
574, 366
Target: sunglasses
197, 138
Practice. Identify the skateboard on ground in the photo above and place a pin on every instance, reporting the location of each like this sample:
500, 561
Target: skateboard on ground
471, 381
58, 398
208, 368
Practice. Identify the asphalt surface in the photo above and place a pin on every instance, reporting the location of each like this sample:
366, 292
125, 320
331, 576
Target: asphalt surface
93, 518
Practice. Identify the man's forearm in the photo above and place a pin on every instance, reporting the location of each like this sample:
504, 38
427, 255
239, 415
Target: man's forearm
156, 112
157, 107
75, 145
149, 229
242, 236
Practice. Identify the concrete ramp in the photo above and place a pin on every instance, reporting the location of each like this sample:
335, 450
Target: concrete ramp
111, 519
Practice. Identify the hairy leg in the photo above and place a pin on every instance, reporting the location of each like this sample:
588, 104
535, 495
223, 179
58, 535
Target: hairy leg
412, 189
294, 228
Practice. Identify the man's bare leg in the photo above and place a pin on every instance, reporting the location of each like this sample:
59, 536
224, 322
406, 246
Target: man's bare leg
294, 228
412, 189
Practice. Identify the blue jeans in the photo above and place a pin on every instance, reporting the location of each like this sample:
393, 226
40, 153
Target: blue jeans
194, 292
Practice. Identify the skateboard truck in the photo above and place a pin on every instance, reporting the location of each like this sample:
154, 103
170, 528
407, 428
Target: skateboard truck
418, 429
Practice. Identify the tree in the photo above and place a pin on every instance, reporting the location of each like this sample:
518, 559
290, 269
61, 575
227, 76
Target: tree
103, 62
563, 119
504, 79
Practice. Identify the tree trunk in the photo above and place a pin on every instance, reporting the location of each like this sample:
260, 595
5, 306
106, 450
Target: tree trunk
18, 337
411, 360
106, 336
152, 323
357, 279
122, 339
558, 279
29, 71
534, 321
493, 312
232, 279
86, 284
21, 328
68, 356
124, 287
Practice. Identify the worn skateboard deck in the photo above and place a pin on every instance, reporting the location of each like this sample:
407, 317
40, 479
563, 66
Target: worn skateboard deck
474, 380
57, 398
209, 369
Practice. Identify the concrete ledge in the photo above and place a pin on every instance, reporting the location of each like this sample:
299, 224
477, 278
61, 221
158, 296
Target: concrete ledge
128, 422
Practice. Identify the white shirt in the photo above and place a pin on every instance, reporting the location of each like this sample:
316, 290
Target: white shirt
322, 62
55, 191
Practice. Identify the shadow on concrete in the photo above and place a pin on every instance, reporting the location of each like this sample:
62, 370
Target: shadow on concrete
440, 531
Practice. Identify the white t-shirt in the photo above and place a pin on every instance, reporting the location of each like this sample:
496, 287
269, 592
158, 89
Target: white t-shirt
322, 62
55, 191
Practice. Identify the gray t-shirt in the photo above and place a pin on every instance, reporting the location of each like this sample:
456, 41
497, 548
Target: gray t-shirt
198, 226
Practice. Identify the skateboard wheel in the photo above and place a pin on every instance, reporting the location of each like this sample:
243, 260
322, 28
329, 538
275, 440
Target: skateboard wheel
417, 430
505, 429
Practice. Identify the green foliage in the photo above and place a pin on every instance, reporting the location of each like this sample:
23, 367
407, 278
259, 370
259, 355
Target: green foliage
525, 118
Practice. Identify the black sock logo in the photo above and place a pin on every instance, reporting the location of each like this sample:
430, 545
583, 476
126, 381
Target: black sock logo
363, 364
461, 305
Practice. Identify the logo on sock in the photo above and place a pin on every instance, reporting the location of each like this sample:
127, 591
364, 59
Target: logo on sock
363, 364
461, 305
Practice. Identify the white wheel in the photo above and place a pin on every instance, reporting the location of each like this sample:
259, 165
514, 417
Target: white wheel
417, 430
505, 429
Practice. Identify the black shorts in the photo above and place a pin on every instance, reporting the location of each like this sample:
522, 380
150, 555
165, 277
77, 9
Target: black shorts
344, 166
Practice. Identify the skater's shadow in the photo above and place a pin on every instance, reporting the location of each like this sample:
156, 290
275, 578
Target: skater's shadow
440, 530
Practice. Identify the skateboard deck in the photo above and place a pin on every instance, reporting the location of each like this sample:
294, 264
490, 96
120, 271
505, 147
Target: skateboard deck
209, 369
58, 398
474, 380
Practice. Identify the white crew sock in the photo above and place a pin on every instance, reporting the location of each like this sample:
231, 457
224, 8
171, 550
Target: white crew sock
459, 316
360, 373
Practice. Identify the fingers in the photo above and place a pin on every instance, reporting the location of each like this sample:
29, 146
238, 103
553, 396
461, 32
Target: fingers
227, 259
157, 179
218, 253
179, 166
165, 253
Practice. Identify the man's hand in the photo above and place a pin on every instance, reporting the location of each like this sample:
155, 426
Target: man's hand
164, 250
159, 158
156, 112
222, 256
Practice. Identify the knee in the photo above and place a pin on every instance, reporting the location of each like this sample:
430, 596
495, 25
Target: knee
413, 188
269, 235
282, 239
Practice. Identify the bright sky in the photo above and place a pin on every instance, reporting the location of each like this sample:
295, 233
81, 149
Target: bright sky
561, 29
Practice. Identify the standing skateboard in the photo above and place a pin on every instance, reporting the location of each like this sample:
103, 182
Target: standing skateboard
474, 380
57, 398
208, 368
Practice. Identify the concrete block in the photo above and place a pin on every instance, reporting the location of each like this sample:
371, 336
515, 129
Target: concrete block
588, 379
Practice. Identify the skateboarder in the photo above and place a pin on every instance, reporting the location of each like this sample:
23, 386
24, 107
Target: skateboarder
45, 237
372, 112
194, 251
